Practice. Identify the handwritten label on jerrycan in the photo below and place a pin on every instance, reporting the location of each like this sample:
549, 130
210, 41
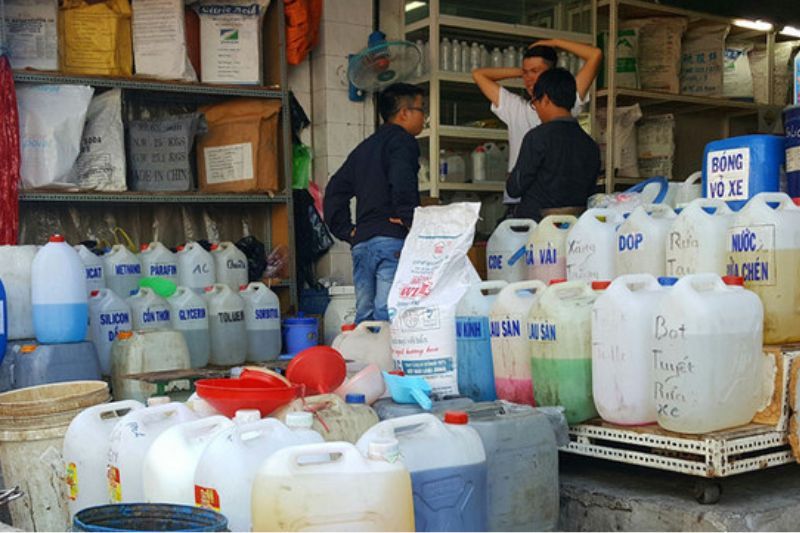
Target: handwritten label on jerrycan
710, 372
590, 245
697, 239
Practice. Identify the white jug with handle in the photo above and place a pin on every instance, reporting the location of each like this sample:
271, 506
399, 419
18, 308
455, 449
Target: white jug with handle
546, 256
697, 239
505, 250
590, 245
642, 240
368, 343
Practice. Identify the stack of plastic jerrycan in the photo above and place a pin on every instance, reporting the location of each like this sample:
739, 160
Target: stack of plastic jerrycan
764, 249
505, 250
622, 359
738, 168
227, 468
93, 268
230, 264
122, 270
86, 452
697, 239
158, 260
447, 454
559, 331
262, 318
128, 444
149, 311
346, 491
510, 349
196, 269
226, 325
546, 255
522, 465
474, 341
642, 240
146, 351
590, 245
189, 314
108, 316
171, 460
710, 372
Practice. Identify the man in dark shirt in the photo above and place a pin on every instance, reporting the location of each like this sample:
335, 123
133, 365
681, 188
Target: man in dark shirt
558, 162
381, 173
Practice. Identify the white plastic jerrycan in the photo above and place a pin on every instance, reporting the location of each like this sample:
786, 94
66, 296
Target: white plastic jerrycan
368, 343
642, 240
196, 268
764, 249
474, 341
158, 260
122, 270
227, 468
189, 314
335, 419
146, 351
58, 294
697, 240
560, 335
341, 310
128, 444
226, 325
86, 450
170, 462
446, 454
510, 350
546, 256
505, 251
230, 264
93, 267
710, 372
108, 316
590, 245
622, 354
15, 271
262, 320
345, 492
149, 310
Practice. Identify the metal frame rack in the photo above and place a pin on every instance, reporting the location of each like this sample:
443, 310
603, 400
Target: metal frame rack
281, 219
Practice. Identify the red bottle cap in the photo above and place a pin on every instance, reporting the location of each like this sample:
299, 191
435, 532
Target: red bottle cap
144, 246
733, 280
557, 281
796, 201
397, 373
456, 417
214, 246
180, 248
57, 238
348, 327
600, 285
94, 293
208, 289
242, 287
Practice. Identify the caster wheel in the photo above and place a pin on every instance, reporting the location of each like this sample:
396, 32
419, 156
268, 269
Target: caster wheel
707, 492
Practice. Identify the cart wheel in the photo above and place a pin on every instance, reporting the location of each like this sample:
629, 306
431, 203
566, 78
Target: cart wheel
707, 492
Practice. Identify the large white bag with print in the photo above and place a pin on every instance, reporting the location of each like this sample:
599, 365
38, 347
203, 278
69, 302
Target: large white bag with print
432, 276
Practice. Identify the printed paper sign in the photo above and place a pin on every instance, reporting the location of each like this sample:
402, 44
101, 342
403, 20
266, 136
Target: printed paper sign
728, 174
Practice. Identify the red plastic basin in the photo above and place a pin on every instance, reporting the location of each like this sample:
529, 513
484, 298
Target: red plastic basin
228, 395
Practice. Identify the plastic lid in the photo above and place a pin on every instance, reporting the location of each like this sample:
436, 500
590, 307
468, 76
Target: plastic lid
348, 327
667, 281
355, 398
94, 293
737, 281
456, 417
557, 281
214, 246
57, 237
242, 287
181, 248
158, 400
384, 450
144, 246
247, 415
600, 285
396, 373
124, 335
298, 320
341, 290
796, 201
208, 289
300, 420
28, 348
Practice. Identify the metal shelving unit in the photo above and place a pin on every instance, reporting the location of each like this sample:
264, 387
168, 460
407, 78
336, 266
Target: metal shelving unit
280, 205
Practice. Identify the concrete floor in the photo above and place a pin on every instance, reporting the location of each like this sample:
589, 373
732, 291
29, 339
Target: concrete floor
601, 495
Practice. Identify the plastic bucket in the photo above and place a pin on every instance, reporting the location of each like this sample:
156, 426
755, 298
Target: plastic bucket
148, 517
299, 333
33, 422
791, 128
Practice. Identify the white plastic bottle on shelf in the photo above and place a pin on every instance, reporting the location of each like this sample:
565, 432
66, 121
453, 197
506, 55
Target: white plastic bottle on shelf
230, 264
93, 266
445, 53
497, 58
465, 57
474, 56
421, 65
262, 317
226, 322
189, 314
520, 56
122, 270
158, 260
486, 57
479, 164
455, 58
509, 57
195, 267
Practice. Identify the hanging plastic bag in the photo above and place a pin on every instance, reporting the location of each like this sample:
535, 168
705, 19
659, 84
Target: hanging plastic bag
301, 166
302, 28
256, 255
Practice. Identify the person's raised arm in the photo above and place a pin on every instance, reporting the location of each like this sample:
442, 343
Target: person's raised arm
591, 55
487, 78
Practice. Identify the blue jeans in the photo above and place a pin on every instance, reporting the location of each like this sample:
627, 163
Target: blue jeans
374, 264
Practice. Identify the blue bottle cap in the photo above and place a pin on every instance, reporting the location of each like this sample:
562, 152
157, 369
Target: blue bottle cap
667, 281
355, 398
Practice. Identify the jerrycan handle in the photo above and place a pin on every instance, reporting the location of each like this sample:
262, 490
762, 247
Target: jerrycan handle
694, 177
559, 219
350, 456
571, 286
657, 209
701, 282
116, 407
511, 223
403, 422
260, 427
647, 281
594, 214
514, 288
199, 428
721, 206
365, 325
781, 198
491, 285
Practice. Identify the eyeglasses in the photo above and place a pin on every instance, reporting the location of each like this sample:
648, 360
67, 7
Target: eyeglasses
421, 110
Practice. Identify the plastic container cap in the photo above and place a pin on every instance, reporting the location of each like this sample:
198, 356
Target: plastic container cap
144, 246
737, 281
247, 415
456, 417
348, 327
300, 320
124, 335
796, 201
355, 398
28, 348
94, 293
557, 281
384, 450
57, 238
667, 281
158, 400
300, 420
600, 285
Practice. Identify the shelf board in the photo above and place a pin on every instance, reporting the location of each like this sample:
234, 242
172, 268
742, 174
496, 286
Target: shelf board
476, 26
463, 77
485, 186
147, 84
150, 197
463, 132
647, 98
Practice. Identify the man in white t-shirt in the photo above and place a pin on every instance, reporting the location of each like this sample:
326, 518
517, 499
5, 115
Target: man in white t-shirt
516, 111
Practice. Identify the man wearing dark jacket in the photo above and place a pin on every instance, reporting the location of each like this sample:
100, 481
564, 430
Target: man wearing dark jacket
381, 173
